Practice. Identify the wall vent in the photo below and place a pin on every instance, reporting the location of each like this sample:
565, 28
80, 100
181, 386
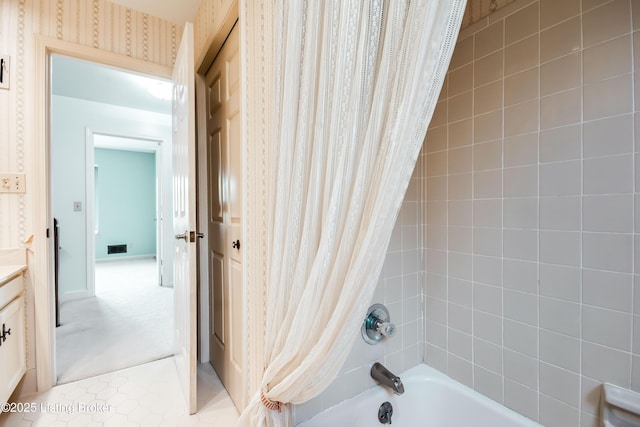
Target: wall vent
116, 249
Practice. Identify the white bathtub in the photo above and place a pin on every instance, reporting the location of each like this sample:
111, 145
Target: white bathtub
431, 399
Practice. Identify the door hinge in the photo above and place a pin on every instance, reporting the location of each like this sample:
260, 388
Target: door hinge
47, 233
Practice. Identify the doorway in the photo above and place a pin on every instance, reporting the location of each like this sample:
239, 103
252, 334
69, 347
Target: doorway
110, 193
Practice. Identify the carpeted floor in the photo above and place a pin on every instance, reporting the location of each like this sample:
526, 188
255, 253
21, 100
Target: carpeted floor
127, 323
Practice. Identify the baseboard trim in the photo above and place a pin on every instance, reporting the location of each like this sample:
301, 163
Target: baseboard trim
27, 385
73, 295
125, 258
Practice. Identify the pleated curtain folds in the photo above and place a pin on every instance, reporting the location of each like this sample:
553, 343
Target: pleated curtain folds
356, 85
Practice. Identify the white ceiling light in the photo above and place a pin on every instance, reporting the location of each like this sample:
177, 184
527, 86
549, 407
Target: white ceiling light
161, 90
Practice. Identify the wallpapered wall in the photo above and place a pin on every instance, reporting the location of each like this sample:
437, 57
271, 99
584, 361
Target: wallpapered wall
103, 25
209, 19
99, 24
94, 23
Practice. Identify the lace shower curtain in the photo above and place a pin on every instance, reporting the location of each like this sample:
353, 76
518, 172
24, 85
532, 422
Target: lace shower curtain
356, 85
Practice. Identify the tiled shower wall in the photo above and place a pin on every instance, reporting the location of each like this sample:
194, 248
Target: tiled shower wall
400, 290
531, 166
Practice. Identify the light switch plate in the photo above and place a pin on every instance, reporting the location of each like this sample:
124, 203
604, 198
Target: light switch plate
12, 183
5, 60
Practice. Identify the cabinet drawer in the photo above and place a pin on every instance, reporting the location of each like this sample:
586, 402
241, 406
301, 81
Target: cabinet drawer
10, 290
12, 349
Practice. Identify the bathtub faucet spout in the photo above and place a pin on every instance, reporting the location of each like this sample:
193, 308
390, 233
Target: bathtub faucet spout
385, 377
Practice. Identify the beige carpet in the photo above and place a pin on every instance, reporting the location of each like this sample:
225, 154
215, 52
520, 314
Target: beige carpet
127, 323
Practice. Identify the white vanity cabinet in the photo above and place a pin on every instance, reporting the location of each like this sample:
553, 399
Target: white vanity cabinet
12, 329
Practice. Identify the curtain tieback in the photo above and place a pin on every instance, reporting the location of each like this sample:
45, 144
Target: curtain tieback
274, 406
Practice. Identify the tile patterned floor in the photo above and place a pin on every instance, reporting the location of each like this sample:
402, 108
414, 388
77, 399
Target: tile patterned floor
145, 395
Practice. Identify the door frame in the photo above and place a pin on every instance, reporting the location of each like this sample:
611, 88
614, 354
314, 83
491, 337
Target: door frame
258, 61
153, 145
43, 288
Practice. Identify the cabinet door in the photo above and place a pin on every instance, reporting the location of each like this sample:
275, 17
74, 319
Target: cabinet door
12, 349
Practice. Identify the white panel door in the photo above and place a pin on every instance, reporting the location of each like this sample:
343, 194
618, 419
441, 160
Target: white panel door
184, 218
225, 218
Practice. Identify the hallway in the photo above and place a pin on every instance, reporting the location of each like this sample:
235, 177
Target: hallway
127, 323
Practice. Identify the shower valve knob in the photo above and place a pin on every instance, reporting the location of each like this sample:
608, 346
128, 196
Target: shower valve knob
377, 325
387, 329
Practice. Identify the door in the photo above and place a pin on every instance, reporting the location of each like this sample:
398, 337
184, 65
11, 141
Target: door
225, 217
184, 218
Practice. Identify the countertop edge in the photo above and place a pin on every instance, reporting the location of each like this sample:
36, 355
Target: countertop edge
9, 272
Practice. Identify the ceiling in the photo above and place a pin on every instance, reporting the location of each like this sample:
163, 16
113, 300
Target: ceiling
95, 82
178, 11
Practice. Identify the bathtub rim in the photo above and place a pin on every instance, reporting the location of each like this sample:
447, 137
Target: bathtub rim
425, 373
